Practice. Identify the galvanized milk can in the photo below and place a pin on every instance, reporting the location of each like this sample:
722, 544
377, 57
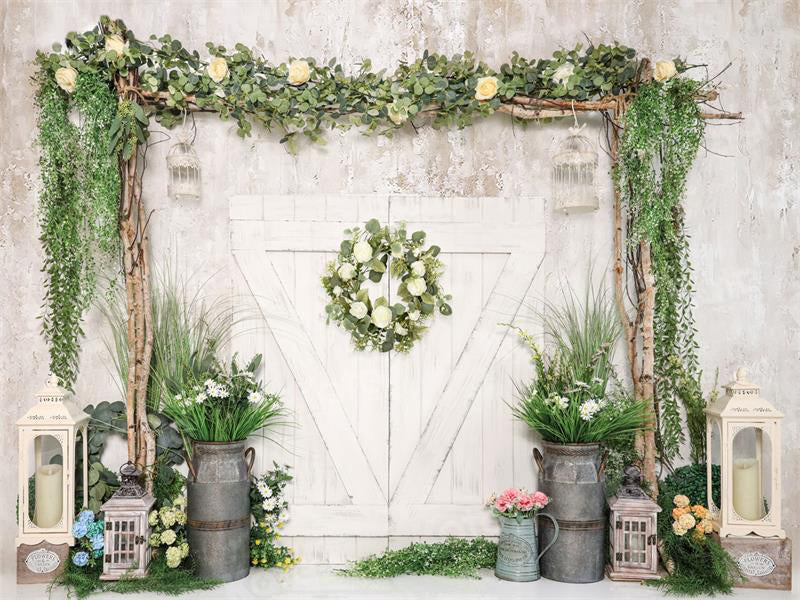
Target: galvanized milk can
518, 548
218, 509
572, 475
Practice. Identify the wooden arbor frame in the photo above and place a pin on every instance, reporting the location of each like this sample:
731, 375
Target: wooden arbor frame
636, 315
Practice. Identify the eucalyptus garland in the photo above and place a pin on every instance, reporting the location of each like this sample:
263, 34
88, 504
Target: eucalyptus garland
662, 133
367, 255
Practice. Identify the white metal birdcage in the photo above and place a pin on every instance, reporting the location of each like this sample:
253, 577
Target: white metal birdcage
184, 170
575, 173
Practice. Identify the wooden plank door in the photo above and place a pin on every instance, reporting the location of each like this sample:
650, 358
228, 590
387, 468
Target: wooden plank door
389, 446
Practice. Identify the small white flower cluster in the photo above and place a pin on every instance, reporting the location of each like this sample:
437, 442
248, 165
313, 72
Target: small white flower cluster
216, 390
591, 407
255, 397
561, 402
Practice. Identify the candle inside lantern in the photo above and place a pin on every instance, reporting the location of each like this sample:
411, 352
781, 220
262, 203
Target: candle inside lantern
49, 495
746, 489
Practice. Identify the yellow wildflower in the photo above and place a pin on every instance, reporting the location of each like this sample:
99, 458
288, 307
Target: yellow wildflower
258, 542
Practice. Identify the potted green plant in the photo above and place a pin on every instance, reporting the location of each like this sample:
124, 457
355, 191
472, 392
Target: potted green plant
215, 415
575, 405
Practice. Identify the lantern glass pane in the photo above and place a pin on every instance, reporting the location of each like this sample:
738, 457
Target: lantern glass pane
715, 457
751, 469
45, 482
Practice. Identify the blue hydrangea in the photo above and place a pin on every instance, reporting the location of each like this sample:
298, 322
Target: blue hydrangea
86, 517
95, 528
81, 559
80, 529
97, 541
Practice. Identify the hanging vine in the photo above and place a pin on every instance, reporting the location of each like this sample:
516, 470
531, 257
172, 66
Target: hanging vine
662, 132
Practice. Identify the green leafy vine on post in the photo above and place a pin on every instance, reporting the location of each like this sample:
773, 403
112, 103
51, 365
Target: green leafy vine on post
663, 129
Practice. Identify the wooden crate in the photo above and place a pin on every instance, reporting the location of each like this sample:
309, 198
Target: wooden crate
40, 563
765, 562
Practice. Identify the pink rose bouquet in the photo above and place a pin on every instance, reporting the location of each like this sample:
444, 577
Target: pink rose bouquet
517, 503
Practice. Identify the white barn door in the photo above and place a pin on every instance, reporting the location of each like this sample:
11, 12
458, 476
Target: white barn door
394, 446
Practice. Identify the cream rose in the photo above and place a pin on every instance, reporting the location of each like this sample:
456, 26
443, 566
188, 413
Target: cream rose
416, 286
413, 315
116, 43
217, 69
346, 272
66, 78
563, 73
486, 88
299, 72
400, 330
664, 69
680, 500
381, 316
358, 310
418, 268
362, 251
337, 291
687, 521
677, 529
397, 115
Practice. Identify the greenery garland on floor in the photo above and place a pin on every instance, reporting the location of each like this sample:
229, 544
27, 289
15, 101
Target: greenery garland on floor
455, 557
663, 129
701, 567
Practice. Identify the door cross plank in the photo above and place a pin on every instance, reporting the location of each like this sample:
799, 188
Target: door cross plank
301, 356
466, 379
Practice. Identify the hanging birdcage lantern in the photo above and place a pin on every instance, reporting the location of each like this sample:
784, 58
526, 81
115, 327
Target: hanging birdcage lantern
574, 173
184, 170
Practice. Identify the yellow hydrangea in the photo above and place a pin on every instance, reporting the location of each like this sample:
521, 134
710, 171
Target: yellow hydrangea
680, 501
687, 521
677, 529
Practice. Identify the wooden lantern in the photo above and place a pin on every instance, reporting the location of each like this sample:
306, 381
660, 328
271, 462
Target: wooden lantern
633, 516
743, 433
46, 437
575, 174
127, 535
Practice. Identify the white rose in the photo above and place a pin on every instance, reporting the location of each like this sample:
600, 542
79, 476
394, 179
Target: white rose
116, 43
66, 78
413, 315
486, 88
400, 330
418, 268
358, 310
416, 286
217, 69
563, 72
381, 316
665, 69
337, 291
299, 72
397, 114
362, 251
346, 272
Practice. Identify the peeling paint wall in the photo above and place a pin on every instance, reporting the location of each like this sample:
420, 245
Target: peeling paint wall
742, 207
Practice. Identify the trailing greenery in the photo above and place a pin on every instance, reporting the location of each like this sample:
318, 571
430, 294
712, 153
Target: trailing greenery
82, 582
188, 331
662, 133
569, 400
701, 565
77, 208
452, 558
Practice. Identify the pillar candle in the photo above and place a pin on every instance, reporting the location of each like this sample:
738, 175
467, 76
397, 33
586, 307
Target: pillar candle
49, 495
746, 489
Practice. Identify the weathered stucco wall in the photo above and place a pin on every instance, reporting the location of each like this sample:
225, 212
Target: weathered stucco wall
743, 202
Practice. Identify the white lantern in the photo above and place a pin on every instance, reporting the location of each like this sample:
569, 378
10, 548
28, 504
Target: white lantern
574, 174
47, 435
184, 170
127, 536
743, 433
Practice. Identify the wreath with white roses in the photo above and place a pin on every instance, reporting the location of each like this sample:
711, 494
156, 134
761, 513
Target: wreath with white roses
368, 254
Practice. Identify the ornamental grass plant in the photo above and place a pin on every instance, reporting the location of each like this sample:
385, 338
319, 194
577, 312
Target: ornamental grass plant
574, 397
227, 405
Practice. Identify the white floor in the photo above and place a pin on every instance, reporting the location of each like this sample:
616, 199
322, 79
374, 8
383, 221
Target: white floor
307, 582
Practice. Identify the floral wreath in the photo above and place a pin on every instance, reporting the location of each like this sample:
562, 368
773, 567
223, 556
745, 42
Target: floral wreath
368, 254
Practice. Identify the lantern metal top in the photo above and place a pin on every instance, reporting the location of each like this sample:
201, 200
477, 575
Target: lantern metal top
131, 494
575, 149
742, 400
631, 494
56, 407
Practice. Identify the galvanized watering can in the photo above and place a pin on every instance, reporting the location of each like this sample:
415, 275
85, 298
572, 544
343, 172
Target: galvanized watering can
518, 548
218, 527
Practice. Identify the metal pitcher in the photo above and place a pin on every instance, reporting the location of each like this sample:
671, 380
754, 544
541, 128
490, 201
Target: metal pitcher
218, 509
518, 548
